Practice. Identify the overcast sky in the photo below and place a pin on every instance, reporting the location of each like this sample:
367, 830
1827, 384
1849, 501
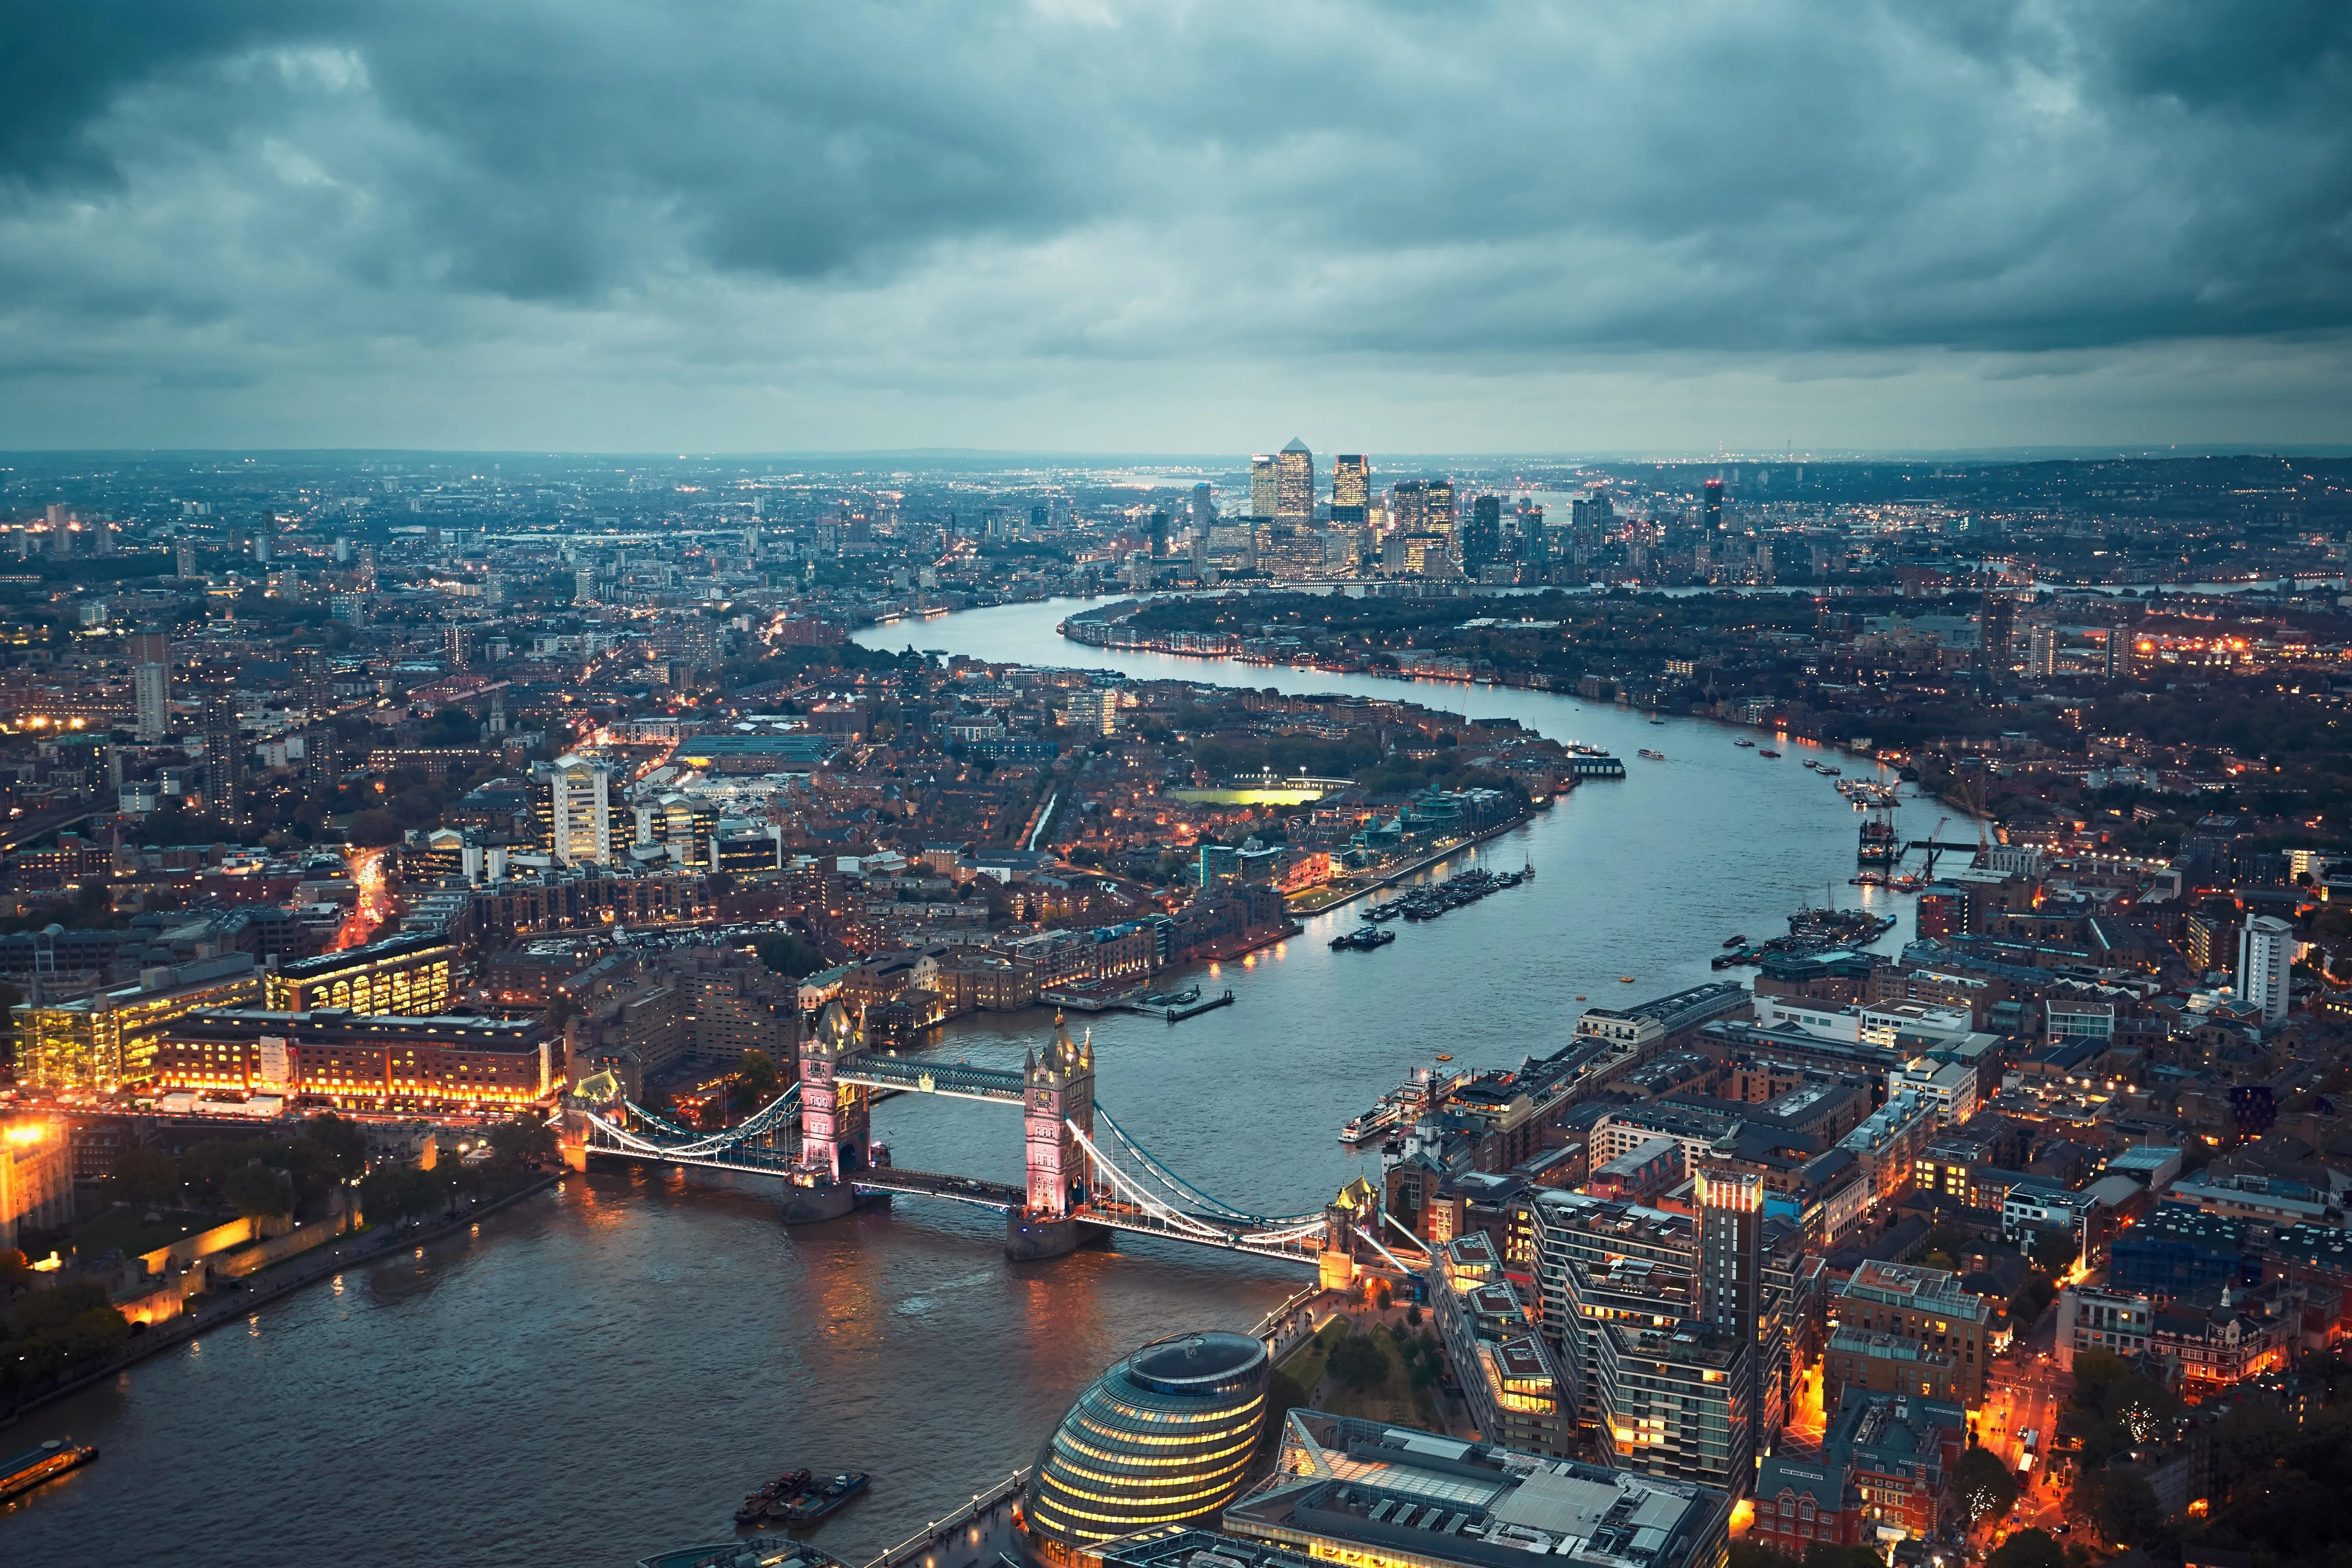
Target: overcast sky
700, 225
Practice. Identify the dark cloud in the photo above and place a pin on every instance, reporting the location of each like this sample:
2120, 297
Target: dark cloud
928, 193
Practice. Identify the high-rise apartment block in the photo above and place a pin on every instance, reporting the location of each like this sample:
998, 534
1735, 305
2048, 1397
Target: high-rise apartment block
578, 804
2266, 947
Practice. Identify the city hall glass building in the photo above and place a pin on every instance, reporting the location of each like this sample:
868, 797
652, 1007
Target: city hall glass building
1162, 1439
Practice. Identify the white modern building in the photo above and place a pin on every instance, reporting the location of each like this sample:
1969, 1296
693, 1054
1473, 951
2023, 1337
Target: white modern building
2265, 954
579, 793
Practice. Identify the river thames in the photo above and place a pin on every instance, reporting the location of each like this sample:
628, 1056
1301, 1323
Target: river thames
602, 1371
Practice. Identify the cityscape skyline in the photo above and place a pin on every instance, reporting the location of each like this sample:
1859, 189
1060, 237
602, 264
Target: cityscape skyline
1106, 228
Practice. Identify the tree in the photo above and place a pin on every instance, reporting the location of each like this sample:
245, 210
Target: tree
1983, 1484
1282, 1395
341, 1141
2028, 1549
2126, 1509
789, 954
145, 1178
2052, 1251
258, 1192
1358, 1363
525, 1141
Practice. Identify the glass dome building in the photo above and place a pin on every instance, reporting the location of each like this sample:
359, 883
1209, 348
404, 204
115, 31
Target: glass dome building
1162, 1439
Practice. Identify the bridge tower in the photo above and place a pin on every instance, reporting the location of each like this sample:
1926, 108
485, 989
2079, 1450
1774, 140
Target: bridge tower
835, 1131
1058, 1091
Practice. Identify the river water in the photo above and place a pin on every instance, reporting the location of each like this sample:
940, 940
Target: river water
603, 1370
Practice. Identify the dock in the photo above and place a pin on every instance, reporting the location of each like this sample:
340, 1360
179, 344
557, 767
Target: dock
1176, 1014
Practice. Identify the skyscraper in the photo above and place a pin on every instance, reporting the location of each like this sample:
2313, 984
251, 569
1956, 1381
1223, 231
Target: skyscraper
1711, 515
1997, 629
2265, 952
1293, 488
1731, 1294
1263, 494
1408, 506
151, 683
1351, 490
1482, 537
1441, 507
1205, 508
224, 757
1535, 543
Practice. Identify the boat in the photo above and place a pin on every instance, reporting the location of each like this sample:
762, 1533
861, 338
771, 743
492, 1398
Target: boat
1384, 913
821, 1500
1624, 980
1371, 1123
1736, 942
43, 1461
1363, 939
1745, 745
1527, 872
1660, 723
1654, 756
1768, 753
767, 1505
1833, 772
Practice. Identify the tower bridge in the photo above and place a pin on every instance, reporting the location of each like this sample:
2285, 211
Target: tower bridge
1086, 1176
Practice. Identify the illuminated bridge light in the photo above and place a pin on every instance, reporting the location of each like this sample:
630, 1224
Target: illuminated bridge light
1162, 1439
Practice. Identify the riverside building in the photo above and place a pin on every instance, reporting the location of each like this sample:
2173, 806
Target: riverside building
329, 1058
1159, 1440
408, 974
1376, 1496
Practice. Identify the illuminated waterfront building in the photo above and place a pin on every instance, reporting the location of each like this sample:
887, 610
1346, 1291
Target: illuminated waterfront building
1374, 1495
353, 1063
409, 975
95, 1045
1505, 1369
36, 1176
1160, 1439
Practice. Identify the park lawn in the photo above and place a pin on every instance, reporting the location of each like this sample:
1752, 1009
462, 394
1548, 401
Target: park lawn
126, 1228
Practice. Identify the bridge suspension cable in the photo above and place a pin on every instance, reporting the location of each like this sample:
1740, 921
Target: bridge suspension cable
1180, 1185
759, 1124
1198, 1228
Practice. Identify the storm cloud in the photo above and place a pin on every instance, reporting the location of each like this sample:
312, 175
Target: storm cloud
886, 224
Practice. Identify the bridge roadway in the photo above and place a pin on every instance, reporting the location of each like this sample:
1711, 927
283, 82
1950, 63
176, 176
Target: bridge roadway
958, 1080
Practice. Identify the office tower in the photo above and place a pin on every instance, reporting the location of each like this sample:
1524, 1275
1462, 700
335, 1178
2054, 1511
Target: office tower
224, 757
1441, 507
1535, 545
151, 683
1205, 508
1351, 490
1408, 506
1294, 483
1200, 553
2265, 952
579, 814
1264, 491
1711, 515
1158, 533
1482, 538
